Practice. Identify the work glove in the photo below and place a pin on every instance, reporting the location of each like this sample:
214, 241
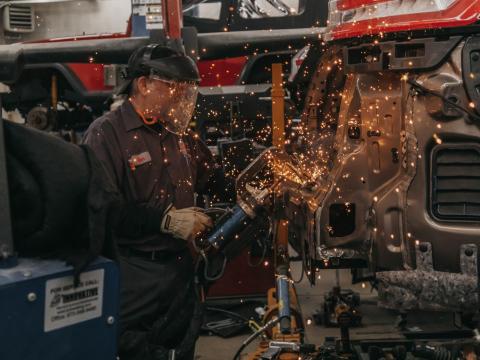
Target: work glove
186, 223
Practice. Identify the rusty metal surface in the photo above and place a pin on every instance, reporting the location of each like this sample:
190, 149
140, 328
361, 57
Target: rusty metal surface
427, 289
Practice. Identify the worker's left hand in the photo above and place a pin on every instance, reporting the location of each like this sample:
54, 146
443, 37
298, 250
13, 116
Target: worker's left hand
186, 223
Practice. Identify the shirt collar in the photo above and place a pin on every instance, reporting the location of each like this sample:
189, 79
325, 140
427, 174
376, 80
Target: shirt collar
130, 117
132, 120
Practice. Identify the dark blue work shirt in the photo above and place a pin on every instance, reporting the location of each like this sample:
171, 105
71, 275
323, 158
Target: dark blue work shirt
151, 166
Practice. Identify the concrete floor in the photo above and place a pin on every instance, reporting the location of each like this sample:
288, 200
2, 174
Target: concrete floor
377, 322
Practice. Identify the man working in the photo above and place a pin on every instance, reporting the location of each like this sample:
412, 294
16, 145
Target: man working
158, 166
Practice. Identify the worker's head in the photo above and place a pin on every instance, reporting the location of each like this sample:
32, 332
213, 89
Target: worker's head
162, 83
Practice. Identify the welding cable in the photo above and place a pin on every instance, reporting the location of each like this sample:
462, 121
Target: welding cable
256, 334
304, 262
227, 312
258, 263
264, 250
422, 90
264, 245
206, 275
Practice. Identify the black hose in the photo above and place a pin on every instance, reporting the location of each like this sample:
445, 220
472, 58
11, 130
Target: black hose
231, 313
256, 334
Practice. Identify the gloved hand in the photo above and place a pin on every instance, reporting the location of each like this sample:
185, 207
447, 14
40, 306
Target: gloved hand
186, 223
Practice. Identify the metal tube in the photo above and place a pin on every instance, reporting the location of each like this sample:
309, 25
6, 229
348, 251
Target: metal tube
54, 96
345, 338
6, 234
174, 18
281, 239
118, 50
283, 299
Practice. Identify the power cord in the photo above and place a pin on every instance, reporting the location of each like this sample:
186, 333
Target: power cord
256, 334
206, 275
264, 245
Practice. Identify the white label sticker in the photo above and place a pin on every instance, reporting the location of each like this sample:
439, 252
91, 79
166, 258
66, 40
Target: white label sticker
66, 305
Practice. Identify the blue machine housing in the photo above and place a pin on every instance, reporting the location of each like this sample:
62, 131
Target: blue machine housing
43, 316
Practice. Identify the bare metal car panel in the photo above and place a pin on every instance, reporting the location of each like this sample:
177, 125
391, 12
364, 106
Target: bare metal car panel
400, 166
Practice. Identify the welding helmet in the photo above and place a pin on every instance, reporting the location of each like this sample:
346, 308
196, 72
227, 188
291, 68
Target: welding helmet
176, 70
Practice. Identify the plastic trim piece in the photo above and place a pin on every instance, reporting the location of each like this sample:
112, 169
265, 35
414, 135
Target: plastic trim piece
416, 54
454, 180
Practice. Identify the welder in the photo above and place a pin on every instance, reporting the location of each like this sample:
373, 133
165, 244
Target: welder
159, 165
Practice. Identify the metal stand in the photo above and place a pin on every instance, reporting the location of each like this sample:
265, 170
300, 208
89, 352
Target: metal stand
337, 302
7, 255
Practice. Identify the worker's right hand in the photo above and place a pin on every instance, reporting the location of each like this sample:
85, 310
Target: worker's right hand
186, 223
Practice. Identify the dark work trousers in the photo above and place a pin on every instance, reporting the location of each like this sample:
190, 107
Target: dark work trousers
157, 306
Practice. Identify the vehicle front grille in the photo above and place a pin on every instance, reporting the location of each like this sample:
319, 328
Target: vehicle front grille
455, 174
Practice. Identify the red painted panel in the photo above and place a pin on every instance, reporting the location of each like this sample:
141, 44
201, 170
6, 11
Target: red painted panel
213, 73
461, 13
221, 72
91, 76
352, 4
241, 279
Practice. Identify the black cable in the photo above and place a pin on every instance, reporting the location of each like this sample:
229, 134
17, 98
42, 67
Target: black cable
215, 277
264, 244
259, 262
231, 313
256, 334
422, 90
